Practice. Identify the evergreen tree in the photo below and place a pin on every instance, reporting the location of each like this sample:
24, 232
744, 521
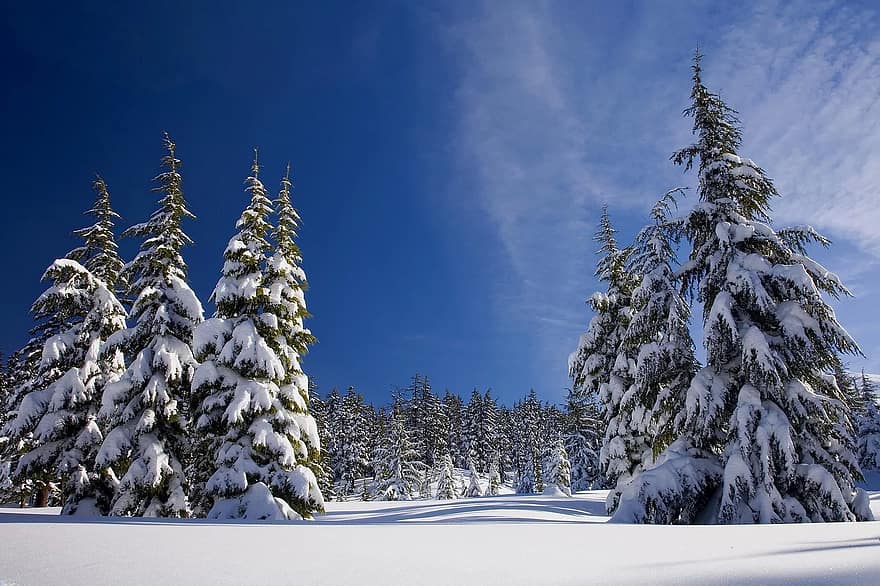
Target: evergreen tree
602, 368
506, 440
324, 473
55, 422
428, 422
853, 397
528, 444
400, 471
494, 478
869, 427
99, 252
473, 488
765, 435
352, 441
148, 435
6, 450
658, 336
452, 406
24, 375
582, 440
479, 428
446, 489
558, 470
251, 396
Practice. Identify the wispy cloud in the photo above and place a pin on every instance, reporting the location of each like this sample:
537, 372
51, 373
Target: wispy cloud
561, 109
806, 78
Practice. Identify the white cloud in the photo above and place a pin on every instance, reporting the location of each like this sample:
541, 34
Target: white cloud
806, 80
561, 109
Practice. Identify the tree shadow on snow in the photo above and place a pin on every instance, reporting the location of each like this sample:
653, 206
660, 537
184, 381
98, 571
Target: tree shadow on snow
510, 509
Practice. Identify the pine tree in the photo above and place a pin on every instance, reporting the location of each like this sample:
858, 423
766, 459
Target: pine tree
528, 444
24, 375
143, 408
601, 368
558, 470
494, 477
765, 435
452, 406
479, 428
400, 471
99, 252
658, 336
473, 488
287, 284
869, 427
506, 440
56, 418
428, 421
324, 473
251, 396
352, 443
6, 450
853, 398
446, 489
582, 440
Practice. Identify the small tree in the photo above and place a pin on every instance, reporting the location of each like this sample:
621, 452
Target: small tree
446, 480
558, 471
473, 489
400, 470
494, 477
869, 427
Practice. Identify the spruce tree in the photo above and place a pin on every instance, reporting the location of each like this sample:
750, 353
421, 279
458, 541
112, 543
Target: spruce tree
494, 477
602, 368
56, 420
658, 336
582, 440
352, 445
428, 421
557, 473
446, 489
473, 488
99, 252
528, 444
765, 435
400, 471
869, 427
251, 396
452, 406
62, 372
147, 438
324, 472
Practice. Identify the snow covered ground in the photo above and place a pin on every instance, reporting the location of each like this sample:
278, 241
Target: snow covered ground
502, 540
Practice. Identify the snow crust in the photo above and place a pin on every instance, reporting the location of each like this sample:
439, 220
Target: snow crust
499, 540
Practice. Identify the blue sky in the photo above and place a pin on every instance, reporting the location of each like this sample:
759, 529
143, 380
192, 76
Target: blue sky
450, 159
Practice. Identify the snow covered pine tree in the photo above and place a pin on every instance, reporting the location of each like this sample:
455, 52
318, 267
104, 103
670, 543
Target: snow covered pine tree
399, 470
446, 479
143, 408
76, 315
763, 437
252, 397
557, 475
869, 427
602, 368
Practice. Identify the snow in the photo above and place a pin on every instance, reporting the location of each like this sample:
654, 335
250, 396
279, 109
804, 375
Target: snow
489, 540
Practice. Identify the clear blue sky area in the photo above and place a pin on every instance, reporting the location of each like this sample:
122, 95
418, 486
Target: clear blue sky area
449, 159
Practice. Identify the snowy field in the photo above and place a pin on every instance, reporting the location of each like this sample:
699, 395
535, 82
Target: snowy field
502, 540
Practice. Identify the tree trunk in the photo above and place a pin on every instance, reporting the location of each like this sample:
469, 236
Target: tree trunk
43, 497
